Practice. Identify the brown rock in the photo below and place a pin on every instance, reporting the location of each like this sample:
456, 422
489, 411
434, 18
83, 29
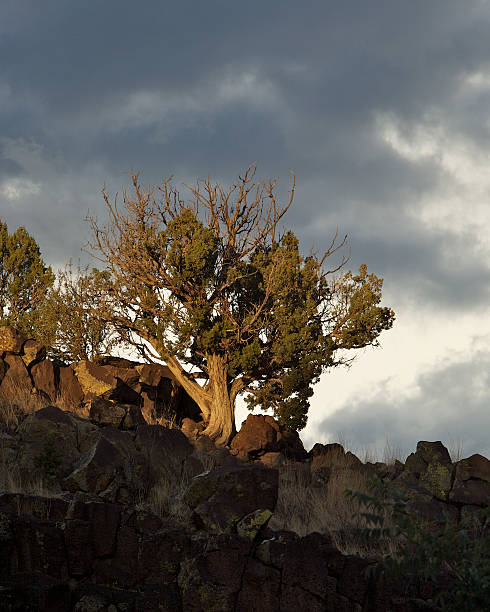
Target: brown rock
43, 375
70, 393
151, 374
133, 418
11, 340
78, 547
93, 379
475, 466
224, 496
104, 412
16, 383
261, 434
33, 352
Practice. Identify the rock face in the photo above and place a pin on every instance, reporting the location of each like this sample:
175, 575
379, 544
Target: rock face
223, 497
66, 555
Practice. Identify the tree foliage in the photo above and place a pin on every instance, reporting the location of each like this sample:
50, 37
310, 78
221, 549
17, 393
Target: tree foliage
24, 279
211, 283
66, 324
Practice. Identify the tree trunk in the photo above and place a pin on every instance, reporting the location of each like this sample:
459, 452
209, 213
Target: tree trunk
221, 424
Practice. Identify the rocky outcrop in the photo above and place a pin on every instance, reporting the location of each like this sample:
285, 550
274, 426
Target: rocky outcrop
134, 392
59, 554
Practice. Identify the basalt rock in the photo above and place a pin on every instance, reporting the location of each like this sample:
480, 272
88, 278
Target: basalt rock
260, 435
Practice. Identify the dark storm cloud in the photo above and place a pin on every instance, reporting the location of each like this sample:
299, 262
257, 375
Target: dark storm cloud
458, 392
191, 88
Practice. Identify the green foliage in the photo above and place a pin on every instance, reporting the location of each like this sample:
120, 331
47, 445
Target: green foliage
49, 460
454, 560
24, 279
66, 322
211, 281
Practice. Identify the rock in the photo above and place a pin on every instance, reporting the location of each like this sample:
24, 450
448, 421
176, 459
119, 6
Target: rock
133, 417
46, 429
11, 340
249, 526
261, 434
476, 466
151, 374
431, 463
260, 590
332, 456
471, 481
33, 352
224, 496
166, 450
97, 469
211, 580
94, 380
104, 412
70, 393
43, 375
16, 384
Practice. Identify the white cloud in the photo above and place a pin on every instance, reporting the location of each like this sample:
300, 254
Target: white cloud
17, 189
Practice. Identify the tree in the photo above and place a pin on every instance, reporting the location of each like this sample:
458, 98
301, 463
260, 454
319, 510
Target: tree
24, 278
212, 285
65, 321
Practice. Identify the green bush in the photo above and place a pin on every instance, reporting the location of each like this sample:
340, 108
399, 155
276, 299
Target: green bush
453, 562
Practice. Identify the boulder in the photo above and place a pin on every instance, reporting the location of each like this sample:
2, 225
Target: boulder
104, 412
43, 375
108, 381
166, 450
93, 379
223, 497
45, 434
70, 394
471, 481
431, 463
33, 352
261, 434
98, 468
332, 456
11, 340
16, 383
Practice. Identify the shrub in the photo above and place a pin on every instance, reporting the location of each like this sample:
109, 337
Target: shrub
453, 562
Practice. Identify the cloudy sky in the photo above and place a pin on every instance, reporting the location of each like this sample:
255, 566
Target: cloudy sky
381, 108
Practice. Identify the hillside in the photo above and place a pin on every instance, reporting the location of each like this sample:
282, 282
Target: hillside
112, 499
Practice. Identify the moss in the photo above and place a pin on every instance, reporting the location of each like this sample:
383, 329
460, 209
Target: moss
250, 525
438, 479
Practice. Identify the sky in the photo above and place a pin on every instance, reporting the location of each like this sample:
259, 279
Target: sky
382, 110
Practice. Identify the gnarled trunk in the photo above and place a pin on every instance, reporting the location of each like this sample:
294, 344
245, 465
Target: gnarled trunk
221, 424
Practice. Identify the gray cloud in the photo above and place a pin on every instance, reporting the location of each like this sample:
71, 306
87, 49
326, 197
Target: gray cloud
90, 90
450, 404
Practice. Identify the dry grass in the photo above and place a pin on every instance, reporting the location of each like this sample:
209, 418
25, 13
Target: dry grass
16, 403
304, 509
12, 480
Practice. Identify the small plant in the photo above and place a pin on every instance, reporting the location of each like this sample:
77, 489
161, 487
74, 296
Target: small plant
49, 460
453, 561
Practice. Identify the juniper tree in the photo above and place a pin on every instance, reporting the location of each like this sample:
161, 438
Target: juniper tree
66, 318
24, 278
211, 286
